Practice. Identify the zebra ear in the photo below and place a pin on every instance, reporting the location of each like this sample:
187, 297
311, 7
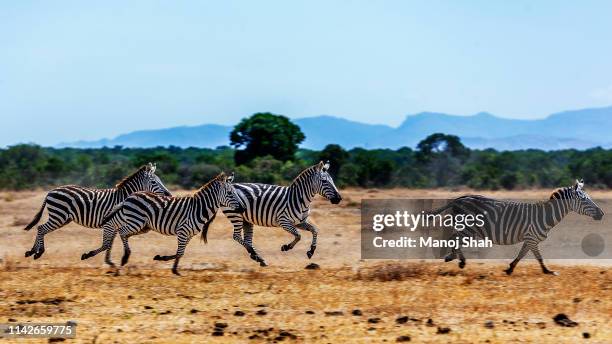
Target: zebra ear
320, 165
326, 166
230, 179
579, 184
152, 167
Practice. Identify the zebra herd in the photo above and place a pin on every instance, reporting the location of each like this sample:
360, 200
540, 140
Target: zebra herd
183, 217
87, 206
141, 202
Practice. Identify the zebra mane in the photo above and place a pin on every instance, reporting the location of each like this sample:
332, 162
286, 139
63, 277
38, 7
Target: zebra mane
127, 179
221, 176
307, 171
558, 193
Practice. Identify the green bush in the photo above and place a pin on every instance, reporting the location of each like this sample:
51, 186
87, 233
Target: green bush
434, 164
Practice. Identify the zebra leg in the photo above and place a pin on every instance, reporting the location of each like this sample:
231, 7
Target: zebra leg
107, 255
248, 244
183, 239
126, 247
458, 251
39, 244
453, 252
536, 253
520, 256
239, 224
312, 229
451, 256
289, 227
107, 241
461, 258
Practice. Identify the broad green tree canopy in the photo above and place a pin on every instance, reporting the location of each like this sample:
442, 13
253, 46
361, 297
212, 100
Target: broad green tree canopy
265, 134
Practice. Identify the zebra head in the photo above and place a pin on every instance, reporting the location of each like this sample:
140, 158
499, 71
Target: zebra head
144, 179
325, 184
153, 183
581, 201
227, 196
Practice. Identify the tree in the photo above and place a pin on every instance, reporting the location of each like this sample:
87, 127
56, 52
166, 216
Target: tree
441, 144
265, 134
22, 166
373, 169
443, 156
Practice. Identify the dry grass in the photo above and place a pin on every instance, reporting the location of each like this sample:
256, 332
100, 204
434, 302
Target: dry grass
391, 272
145, 303
153, 306
21, 221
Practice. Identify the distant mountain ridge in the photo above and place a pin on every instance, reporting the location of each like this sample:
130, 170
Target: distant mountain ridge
579, 129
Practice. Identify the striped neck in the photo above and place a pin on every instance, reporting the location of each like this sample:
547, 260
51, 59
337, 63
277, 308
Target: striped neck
558, 205
303, 189
207, 197
129, 186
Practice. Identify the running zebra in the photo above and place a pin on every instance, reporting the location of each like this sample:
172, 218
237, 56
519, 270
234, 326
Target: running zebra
88, 206
287, 207
183, 217
508, 223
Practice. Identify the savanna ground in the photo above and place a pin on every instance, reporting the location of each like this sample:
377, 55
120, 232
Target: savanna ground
223, 296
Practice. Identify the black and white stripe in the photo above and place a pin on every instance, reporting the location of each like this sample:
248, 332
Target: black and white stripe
287, 207
183, 217
88, 206
508, 223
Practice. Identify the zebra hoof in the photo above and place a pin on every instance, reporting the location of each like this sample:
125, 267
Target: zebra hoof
461, 264
86, 256
262, 263
175, 271
311, 252
549, 272
509, 271
124, 260
29, 253
285, 248
38, 254
448, 258
157, 257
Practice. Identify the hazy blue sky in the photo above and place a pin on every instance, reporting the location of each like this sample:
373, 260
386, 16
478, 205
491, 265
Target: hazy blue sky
78, 70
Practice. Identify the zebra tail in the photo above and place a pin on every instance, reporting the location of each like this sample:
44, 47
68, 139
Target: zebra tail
111, 213
205, 229
36, 217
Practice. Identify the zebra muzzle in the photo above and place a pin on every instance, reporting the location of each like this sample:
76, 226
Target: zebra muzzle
335, 200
